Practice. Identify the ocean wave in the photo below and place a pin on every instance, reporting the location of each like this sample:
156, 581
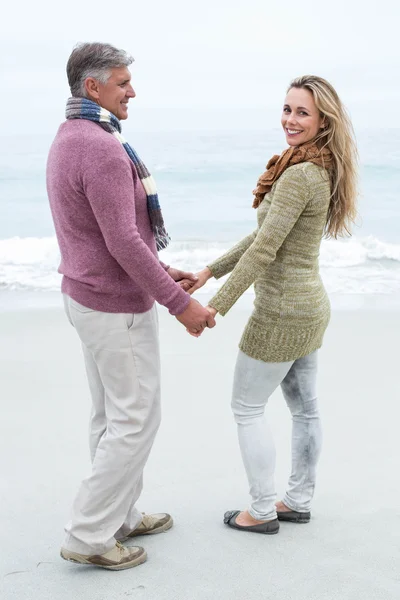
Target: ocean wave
355, 252
359, 265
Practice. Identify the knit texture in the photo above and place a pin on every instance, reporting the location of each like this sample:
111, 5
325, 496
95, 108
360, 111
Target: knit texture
108, 251
280, 258
82, 108
308, 152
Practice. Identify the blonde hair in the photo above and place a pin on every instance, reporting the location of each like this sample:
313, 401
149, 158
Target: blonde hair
338, 137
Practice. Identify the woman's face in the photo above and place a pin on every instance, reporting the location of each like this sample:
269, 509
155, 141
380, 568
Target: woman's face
301, 120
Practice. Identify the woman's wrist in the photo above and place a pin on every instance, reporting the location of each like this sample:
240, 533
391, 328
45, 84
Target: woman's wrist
207, 273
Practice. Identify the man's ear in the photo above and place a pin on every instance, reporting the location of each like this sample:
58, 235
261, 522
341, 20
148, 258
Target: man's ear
92, 88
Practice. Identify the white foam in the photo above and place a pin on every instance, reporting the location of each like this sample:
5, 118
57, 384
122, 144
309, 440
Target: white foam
363, 266
29, 263
357, 252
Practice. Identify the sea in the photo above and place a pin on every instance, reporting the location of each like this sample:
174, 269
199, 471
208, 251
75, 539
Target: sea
205, 181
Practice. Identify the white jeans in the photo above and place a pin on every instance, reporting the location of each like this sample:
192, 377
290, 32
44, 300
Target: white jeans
123, 368
254, 382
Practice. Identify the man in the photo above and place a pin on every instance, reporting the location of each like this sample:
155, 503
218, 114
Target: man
109, 226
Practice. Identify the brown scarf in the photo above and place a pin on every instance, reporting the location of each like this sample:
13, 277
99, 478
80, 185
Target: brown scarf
308, 152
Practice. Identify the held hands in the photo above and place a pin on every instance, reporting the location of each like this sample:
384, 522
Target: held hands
195, 318
213, 313
185, 279
201, 279
188, 281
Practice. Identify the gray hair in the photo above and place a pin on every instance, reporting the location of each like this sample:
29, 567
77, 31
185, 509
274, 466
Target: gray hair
93, 60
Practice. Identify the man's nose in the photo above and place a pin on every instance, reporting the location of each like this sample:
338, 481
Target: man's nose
131, 92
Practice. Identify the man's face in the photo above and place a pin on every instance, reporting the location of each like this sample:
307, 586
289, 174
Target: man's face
116, 93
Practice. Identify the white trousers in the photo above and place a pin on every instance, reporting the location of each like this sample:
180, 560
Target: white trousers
122, 361
254, 382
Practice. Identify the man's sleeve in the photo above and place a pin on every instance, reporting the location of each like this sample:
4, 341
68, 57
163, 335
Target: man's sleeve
108, 186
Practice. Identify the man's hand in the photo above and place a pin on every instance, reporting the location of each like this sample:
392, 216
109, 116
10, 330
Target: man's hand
202, 278
195, 318
186, 280
213, 312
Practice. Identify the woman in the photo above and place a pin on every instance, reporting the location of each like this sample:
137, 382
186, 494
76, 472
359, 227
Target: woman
307, 192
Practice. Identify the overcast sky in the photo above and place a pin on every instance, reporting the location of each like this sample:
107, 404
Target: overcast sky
209, 64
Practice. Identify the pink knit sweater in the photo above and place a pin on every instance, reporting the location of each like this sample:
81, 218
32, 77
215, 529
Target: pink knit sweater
109, 260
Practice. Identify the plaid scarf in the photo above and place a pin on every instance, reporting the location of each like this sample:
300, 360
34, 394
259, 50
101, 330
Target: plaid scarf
82, 108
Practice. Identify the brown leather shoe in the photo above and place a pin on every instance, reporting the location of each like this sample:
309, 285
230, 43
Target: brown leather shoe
118, 558
152, 524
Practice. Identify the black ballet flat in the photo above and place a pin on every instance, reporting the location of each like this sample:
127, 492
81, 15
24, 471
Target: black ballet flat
268, 527
293, 516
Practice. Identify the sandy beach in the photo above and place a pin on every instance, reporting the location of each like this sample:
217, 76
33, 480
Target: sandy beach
349, 551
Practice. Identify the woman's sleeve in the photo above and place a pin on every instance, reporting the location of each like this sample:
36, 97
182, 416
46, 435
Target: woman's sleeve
290, 197
227, 261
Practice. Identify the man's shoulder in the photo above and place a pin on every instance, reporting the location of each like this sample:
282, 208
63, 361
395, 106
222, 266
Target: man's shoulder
85, 132
85, 149
88, 145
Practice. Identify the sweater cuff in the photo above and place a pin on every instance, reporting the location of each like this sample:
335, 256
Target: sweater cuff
218, 304
216, 269
179, 304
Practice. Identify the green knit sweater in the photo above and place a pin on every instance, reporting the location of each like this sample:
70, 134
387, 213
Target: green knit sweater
292, 308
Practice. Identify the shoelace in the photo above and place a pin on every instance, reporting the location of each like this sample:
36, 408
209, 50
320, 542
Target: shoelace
147, 520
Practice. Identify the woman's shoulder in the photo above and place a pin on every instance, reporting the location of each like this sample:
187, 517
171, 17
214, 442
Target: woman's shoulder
294, 174
305, 179
308, 168
308, 172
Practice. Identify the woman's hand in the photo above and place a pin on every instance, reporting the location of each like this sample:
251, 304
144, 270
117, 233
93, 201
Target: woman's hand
183, 278
212, 311
202, 278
